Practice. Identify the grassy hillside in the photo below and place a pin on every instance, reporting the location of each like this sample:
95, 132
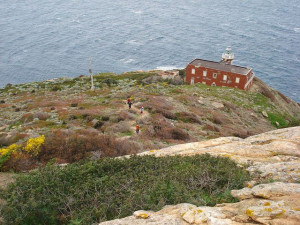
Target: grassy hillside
78, 123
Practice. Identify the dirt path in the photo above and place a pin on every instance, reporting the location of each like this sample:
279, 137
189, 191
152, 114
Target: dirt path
140, 115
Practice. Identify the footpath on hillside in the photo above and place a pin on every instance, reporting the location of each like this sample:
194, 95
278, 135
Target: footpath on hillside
135, 108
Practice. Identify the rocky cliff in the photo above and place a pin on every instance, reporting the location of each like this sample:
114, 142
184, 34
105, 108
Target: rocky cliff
272, 197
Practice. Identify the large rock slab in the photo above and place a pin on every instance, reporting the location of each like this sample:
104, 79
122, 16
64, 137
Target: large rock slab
275, 208
274, 155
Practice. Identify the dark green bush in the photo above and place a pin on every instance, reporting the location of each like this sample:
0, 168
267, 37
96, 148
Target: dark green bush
95, 191
110, 81
294, 123
277, 117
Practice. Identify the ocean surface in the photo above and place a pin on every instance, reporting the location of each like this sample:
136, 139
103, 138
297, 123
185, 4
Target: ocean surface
40, 40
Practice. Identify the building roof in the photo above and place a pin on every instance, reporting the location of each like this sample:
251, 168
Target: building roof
222, 66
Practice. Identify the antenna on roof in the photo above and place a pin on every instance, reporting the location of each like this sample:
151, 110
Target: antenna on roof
228, 56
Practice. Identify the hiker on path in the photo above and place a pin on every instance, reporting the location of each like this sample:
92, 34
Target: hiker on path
137, 129
129, 102
142, 109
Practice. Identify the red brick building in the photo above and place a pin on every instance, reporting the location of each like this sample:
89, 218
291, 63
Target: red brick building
221, 73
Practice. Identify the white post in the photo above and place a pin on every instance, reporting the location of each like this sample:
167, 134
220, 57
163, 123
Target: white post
91, 72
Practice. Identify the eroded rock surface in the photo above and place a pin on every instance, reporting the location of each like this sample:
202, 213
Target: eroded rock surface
265, 204
272, 155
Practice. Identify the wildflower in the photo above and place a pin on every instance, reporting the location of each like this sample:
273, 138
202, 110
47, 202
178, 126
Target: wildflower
5, 153
10, 149
33, 145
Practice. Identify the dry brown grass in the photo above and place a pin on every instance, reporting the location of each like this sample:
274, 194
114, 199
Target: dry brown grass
210, 127
68, 147
42, 115
27, 117
157, 103
162, 129
25, 97
20, 161
72, 147
125, 115
188, 117
121, 127
220, 118
5, 105
198, 111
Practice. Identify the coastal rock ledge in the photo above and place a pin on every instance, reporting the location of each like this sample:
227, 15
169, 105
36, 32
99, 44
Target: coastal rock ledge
271, 156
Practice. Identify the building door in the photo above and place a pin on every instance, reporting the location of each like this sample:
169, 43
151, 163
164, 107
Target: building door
192, 80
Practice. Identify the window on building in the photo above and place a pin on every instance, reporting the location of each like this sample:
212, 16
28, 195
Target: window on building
193, 71
237, 80
213, 84
204, 73
203, 82
198, 77
214, 75
224, 77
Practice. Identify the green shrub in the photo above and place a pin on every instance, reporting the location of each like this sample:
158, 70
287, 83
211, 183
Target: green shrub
94, 191
277, 117
110, 81
294, 122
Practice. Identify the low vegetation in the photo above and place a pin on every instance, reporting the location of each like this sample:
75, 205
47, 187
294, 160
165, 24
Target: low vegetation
63, 147
80, 123
94, 191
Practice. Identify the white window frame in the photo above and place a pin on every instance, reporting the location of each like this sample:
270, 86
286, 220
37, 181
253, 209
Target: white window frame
224, 77
213, 84
237, 80
203, 82
204, 73
193, 71
215, 75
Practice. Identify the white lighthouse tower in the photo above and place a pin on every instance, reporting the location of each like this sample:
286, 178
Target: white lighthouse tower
228, 56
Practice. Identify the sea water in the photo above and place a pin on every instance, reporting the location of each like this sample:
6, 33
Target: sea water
44, 39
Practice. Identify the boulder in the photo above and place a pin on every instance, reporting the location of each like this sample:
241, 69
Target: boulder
265, 114
217, 105
41, 115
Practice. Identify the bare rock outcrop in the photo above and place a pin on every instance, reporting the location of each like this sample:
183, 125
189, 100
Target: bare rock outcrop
272, 155
265, 204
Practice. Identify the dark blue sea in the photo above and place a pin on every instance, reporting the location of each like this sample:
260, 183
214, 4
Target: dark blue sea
40, 39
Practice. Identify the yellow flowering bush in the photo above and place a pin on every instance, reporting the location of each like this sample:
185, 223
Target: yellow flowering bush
10, 149
5, 153
33, 145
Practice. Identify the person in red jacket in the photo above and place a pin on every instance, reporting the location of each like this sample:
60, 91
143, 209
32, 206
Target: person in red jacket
137, 129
